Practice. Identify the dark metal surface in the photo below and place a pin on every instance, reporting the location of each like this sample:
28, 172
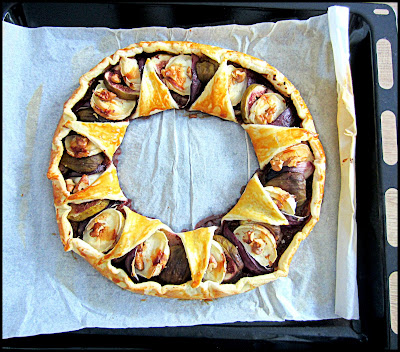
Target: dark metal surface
376, 258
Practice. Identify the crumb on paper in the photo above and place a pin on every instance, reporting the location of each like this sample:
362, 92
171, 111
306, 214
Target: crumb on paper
350, 159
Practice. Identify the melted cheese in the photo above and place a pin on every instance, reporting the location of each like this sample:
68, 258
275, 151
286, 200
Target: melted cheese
217, 264
152, 255
80, 146
267, 108
259, 243
237, 84
284, 200
178, 74
160, 61
103, 231
108, 105
130, 72
91, 178
291, 156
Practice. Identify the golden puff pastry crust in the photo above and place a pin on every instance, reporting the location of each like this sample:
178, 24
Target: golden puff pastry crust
154, 94
214, 100
90, 203
257, 205
105, 186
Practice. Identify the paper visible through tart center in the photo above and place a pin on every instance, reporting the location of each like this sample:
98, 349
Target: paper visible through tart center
181, 170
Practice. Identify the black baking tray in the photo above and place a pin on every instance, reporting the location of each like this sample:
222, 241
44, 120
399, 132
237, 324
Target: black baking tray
376, 258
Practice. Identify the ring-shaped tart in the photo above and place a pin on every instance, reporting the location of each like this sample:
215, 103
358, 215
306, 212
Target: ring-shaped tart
249, 246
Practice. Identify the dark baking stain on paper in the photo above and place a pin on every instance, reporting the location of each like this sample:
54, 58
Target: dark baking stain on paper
31, 125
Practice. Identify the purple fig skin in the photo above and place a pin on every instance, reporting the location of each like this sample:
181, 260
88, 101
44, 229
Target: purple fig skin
305, 168
182, 100
285, 119
100, 168
177, 270
252, 78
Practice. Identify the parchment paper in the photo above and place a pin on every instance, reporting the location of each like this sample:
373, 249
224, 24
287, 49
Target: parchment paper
177, 169
346, 284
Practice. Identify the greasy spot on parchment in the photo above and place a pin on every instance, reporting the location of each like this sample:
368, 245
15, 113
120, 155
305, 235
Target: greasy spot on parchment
33, 109
109, 43
80, 60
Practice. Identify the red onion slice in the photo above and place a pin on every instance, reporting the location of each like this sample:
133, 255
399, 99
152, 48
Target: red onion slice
294, 219
305, 167
195, 88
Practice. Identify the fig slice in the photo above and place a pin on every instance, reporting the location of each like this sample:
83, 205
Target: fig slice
111, 79
206, 69
177, 270
82, 165
82, 211
89, 115
251, 94
286, 119
107, 104
293, 183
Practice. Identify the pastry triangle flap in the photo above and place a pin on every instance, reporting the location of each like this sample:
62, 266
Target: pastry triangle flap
105, 187
257, 205
271, 140
154, 94
215, 98
197, 244
107, 136
137, 229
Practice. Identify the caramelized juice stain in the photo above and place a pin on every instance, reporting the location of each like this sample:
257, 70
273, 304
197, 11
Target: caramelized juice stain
33, 109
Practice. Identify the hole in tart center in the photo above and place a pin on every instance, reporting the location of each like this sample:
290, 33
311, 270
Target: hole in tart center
182, 170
